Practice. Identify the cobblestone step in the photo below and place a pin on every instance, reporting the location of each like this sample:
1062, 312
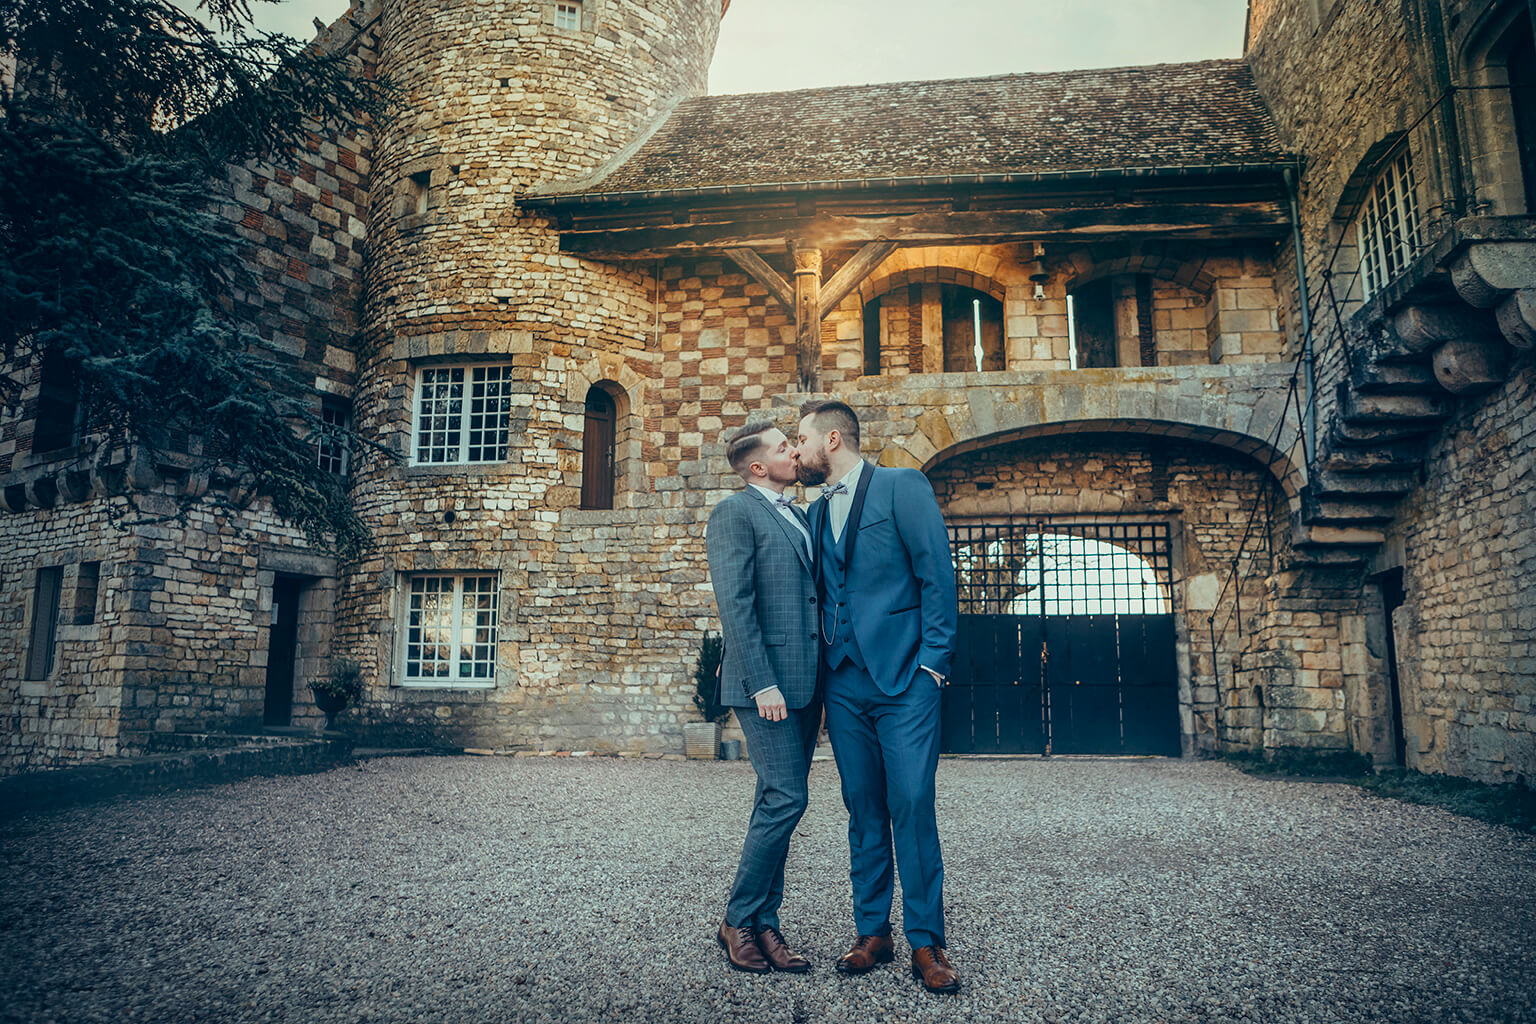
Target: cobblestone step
1368, 434
1368, 458
1396, 378
1387, 482
1316, 510
1412, 410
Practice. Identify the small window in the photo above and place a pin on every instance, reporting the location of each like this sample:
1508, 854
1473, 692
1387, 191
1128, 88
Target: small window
568, 15
418, 192
450, 631
462, 414
45, 621
1388, 226
58, 403
1091, 325
87, 584
333, 451
597, 443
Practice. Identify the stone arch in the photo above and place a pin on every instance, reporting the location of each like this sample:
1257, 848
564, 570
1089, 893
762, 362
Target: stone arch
1491, 51
987, 269
1288, 472
1180, 262
1261, 424
1366, 164
611, 374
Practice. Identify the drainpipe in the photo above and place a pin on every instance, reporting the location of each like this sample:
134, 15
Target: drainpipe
1309, 418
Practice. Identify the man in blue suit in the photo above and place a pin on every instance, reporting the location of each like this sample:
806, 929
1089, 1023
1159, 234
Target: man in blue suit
760, 560
888, 620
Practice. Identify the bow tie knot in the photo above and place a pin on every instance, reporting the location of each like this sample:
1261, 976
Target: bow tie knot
828, 490
784, 502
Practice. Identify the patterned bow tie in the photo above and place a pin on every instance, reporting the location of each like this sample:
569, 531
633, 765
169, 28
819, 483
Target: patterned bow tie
827, 490
784, 502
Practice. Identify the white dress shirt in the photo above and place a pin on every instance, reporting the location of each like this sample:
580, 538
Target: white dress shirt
839, 505
784, 511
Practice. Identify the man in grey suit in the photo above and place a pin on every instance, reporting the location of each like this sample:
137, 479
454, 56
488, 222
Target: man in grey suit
888, 622
759, 547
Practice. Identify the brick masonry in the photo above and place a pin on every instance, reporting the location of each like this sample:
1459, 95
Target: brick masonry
401, 249
1345, 78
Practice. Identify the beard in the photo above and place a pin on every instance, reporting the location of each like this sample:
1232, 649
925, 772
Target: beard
812, 471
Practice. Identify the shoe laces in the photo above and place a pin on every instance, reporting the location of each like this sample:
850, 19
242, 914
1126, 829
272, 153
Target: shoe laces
772, 933
866, 940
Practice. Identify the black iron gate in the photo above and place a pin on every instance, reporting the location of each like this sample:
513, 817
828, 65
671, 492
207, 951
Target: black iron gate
1066, 640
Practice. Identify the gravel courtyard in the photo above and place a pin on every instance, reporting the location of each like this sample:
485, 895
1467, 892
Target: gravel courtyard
552, 889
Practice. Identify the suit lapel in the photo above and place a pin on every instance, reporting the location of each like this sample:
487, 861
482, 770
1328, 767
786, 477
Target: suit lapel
857, 509
818, 517
789, 531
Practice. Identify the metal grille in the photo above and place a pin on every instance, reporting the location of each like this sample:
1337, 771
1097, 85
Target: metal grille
451, 624
1388, 229
1062, 567
447, 431
489, 405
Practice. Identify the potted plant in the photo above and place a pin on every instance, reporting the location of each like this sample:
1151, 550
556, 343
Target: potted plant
341, 687
702, 739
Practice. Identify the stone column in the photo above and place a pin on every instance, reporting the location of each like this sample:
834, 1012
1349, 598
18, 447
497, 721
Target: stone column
933, 330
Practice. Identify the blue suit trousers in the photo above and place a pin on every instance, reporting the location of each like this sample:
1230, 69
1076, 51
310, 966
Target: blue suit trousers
887, 751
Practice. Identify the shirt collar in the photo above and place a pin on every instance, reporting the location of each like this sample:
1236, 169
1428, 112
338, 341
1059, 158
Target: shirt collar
770, 495
851, 478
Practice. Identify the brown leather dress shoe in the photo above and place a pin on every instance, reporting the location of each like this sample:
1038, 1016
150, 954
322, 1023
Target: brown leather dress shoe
868, 951
780, 955
740, 946
933, 970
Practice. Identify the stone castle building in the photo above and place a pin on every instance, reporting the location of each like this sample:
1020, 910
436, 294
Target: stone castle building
1221, 373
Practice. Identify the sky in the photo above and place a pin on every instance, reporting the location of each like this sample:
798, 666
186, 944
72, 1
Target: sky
776, 45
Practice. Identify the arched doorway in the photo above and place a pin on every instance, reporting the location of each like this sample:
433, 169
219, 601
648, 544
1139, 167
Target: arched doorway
1066, 639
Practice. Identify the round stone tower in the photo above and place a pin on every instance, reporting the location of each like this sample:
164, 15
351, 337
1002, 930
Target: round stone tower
495, 98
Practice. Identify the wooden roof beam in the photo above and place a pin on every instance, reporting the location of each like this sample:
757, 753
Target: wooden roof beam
1259, 219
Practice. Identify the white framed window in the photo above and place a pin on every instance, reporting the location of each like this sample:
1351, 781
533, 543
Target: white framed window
450, 630
461, 414
568, 15
1388, 227
332, 452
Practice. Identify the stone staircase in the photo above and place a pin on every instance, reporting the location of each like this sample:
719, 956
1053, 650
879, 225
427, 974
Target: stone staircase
1370, 454
1444, 329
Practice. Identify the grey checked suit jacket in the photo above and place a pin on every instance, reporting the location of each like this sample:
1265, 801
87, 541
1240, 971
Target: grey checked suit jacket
766, 597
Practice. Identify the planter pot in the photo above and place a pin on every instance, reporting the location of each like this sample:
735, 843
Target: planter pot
701, 740
331, 704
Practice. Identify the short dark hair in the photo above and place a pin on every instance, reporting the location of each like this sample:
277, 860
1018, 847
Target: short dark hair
834, 415
746, 443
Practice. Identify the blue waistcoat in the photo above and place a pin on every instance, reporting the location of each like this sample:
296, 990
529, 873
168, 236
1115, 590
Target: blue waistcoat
836, 621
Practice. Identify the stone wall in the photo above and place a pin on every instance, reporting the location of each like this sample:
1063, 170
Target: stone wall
1341, 77
1466, 633
73, 714
178, 634
1205, 492
1344, 80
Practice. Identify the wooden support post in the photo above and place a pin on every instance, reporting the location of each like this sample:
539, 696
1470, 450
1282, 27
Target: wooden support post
808, 317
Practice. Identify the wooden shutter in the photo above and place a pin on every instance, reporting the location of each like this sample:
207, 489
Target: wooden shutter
597, 439
45, 620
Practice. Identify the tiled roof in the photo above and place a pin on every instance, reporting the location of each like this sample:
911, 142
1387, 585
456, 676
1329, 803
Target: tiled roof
1163, 115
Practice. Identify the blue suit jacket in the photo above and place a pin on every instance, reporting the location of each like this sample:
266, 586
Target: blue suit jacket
901, 580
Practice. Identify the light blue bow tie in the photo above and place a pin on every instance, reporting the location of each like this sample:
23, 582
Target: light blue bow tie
827, 490
784, 502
